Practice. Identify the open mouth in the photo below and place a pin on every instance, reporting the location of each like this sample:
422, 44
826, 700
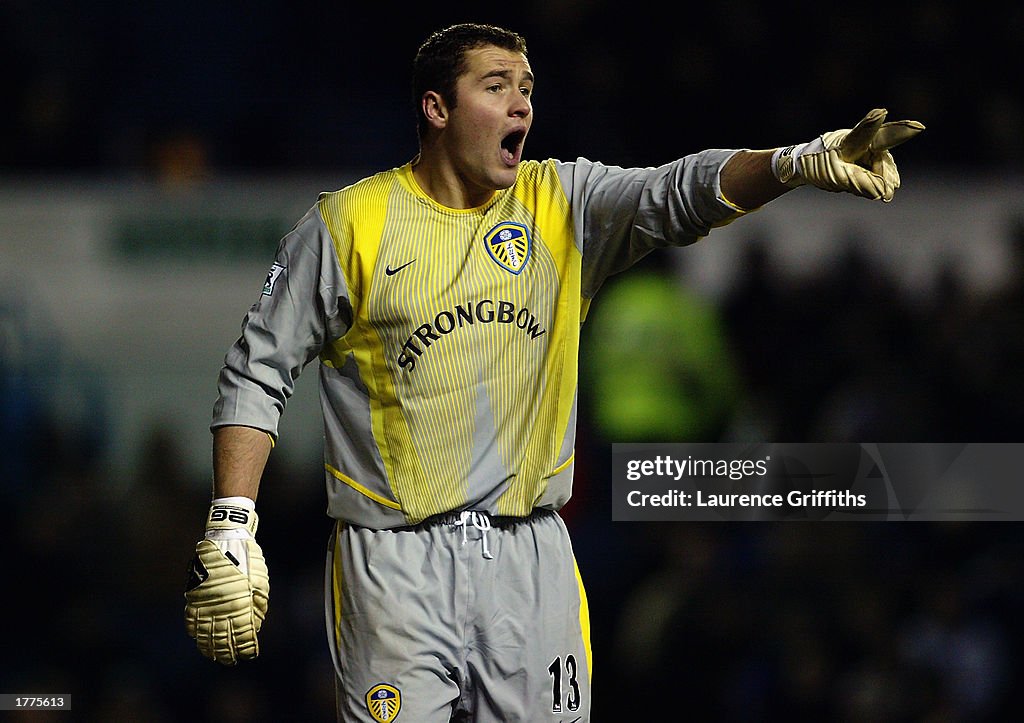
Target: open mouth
512, 147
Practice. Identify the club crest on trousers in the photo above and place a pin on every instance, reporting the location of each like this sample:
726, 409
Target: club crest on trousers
384, 702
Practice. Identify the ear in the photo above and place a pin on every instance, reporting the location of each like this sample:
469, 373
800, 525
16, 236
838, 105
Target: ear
434, 109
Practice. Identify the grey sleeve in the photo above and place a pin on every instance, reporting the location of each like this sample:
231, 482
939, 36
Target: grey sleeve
303, 305
622, 214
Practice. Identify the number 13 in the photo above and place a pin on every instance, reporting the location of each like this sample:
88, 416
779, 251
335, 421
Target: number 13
555, 670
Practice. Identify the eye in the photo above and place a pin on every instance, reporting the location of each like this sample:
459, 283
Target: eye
495, 88
527, 92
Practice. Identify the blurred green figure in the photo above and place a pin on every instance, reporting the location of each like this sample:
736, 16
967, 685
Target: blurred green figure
660, 365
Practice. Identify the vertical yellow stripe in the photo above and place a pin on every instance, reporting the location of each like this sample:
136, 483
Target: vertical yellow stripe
584, 620
336, 588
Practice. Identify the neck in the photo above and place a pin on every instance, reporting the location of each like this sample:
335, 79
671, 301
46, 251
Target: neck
442, 182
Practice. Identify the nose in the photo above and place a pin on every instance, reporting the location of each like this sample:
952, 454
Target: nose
521, 106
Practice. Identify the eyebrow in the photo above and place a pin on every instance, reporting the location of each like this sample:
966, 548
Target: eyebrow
506, 75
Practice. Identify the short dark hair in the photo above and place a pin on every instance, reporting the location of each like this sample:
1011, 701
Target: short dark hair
441, 59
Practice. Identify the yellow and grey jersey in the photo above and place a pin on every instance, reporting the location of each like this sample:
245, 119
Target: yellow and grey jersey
448, 339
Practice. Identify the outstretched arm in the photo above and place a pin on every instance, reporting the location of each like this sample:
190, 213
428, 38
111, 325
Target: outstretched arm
748, 182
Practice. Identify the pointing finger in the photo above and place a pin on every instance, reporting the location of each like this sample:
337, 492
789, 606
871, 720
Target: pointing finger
858, 141
892, 134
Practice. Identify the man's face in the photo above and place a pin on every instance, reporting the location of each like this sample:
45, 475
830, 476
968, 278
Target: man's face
487, 128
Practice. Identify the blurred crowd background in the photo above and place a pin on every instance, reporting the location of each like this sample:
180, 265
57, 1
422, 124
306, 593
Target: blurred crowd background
891, 621
280, 86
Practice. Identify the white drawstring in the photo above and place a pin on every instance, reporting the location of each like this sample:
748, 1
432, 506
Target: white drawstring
479, 520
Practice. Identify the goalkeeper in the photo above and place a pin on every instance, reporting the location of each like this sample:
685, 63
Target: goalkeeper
443, 301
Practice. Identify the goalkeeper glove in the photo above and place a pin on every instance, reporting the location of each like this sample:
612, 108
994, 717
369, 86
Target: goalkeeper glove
228, 585
853, 160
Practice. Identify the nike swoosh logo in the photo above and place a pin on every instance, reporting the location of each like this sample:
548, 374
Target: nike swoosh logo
392, 271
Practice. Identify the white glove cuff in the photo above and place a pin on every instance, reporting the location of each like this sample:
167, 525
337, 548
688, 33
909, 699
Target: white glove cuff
232, 518
784, 165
